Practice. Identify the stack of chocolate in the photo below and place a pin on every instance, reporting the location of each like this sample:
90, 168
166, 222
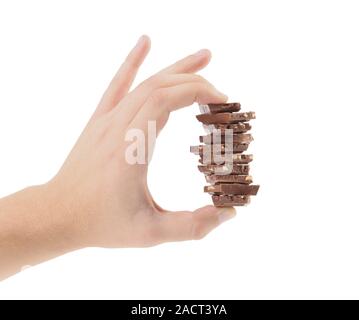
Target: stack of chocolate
225, 166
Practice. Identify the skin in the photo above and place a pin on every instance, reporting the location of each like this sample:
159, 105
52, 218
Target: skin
98, 199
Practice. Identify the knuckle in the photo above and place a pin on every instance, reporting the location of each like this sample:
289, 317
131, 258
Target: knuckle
149, 84
207, 86
157, 97
162, 120
198, 231
198, 78
153, 80
201, 89
152, 233
202, 86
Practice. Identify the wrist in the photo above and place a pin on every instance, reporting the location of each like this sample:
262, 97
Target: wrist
33, 228
60, 219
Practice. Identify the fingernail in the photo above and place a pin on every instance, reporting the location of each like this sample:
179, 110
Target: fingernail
222, 95
226, 214
141, 39
203, 52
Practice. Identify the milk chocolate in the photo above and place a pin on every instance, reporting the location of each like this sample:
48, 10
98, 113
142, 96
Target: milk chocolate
229, 201
224, 165
232, 188
236, 127
226, 169
230, 178
226, 117
219, 159
219, 148
220, 107
217, 138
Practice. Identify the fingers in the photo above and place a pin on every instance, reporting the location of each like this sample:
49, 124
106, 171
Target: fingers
186, 225
129, 106
124, 77
165, 100
134, 101
173, 98
190, 64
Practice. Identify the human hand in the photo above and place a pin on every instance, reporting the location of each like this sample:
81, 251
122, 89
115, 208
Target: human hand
100, 198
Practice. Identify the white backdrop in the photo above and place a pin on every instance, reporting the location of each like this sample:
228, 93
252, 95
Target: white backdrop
293, 62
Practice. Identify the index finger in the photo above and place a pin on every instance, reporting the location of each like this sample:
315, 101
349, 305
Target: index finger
190, 64
165, 100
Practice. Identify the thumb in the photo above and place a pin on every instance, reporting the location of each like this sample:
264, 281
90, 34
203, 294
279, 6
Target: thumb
187, 225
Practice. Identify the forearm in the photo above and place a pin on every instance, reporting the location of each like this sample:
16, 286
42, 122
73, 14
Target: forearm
33, 228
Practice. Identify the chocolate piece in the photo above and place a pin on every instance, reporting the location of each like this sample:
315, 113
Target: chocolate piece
219, 159
229, 201
209, 118
230, 178
217, 138
220, 107
218, 169
233, 188
225, 166
236, 127
219, 148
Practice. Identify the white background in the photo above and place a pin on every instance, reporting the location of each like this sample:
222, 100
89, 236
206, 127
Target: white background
293, 62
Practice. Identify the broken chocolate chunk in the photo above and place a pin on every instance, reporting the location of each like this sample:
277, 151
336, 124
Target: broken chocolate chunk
220, 107
219, 148
209, 118
230, 178
218, 138
226, 169
232, 188
230, 200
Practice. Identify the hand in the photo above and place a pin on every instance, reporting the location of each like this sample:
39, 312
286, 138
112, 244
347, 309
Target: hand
98, 198
107, 199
